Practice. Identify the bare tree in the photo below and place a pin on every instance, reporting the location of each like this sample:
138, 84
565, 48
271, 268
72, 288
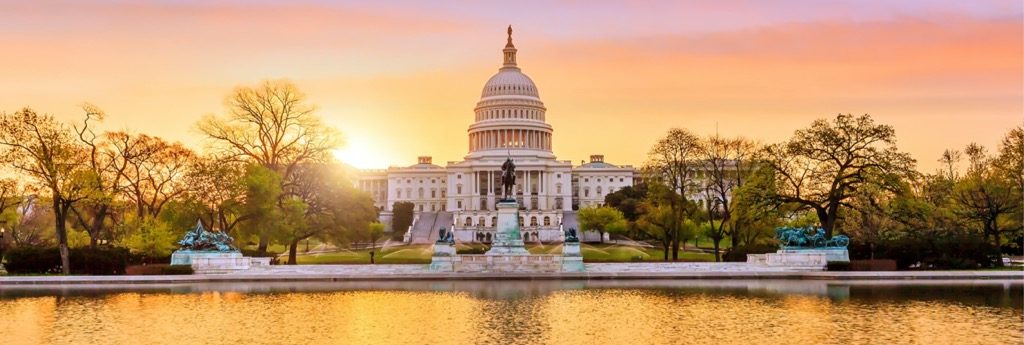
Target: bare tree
43, 148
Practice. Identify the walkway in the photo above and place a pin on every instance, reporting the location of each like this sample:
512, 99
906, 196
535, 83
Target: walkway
676, 270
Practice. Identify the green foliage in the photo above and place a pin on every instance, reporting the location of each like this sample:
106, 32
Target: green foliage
402, 216
177, 270
151, 237
32, 260
37, 260
602, 219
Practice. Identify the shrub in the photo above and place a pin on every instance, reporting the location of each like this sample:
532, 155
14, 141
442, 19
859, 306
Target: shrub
838, 266
99, 261
873, 265
32, 260
739, 253
144, 270
35, 260
177, 270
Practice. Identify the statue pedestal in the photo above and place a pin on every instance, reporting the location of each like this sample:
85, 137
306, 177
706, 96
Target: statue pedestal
831, 254
206, 262
572, 259
507, 239
443, 257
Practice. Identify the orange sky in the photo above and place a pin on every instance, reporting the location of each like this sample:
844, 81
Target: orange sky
400, 79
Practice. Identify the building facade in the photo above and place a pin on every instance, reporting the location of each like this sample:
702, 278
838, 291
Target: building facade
509, 121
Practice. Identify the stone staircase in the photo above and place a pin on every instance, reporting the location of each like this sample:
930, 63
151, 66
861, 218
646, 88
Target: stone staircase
424, 231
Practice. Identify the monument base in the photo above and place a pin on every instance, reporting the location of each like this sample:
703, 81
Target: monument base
831, 254
508, 240
441, 260
572, 258
216, 262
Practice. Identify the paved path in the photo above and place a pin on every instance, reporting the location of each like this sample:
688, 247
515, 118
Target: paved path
676, 270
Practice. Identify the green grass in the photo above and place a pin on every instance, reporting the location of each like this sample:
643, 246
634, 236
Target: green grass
416, 254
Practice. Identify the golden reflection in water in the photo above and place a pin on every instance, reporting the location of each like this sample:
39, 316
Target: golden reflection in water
584, 316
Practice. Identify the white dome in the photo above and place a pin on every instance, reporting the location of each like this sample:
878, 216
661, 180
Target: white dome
510, 82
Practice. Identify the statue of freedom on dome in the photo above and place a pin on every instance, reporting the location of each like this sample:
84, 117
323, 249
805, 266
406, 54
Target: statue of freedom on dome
508, 178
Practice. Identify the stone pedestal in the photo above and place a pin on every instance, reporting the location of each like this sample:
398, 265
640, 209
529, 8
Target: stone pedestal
443, 257
572, 258
188, 257
831, 254
507, 239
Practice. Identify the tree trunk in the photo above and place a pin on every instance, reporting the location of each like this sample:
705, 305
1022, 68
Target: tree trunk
264, 243
718, 255
665, 246
60, 214
292, 248
999, 248
734, 236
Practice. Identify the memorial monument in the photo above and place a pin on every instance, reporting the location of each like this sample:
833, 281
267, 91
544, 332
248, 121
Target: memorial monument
508, 240
212, 252
804, 247
507, 252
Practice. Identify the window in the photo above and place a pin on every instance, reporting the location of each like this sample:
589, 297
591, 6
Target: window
433, 193
586, 180
547, 220
444, 193
458, 204
533, 221
421, 207
398, 191
558, 188
598, 190
469, 221
459, 176
458, 189
494, 221
586, 191
620, 179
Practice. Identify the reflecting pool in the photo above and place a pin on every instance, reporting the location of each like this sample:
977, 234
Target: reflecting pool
521, 312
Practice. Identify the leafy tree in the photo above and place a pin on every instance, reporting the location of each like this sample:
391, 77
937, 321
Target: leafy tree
374, 231
333, 209
821, 167
726, 164
402, 216
43, 149
218, 188
628, 201
987, 198
271, 125
151, 237
262, 196
672, 160
602, 219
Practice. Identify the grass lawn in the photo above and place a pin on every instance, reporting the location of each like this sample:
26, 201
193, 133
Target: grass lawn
414, 254
420, 254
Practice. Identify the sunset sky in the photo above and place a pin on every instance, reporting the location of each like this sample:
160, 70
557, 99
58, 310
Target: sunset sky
400, 79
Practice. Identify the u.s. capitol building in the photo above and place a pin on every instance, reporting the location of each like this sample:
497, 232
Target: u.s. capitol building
509, 120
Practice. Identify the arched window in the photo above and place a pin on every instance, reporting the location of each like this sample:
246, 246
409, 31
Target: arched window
480, 222
547, 220
494, 221
586, 191
598, 190
458, 189
520, 221
421, 192
433, 193
533, 221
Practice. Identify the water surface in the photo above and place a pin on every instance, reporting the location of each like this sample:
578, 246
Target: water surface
526, 312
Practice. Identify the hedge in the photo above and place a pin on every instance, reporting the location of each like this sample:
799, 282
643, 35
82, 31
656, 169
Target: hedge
43, 260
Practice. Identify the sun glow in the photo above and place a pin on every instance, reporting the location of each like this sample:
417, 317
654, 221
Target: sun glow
360, 154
